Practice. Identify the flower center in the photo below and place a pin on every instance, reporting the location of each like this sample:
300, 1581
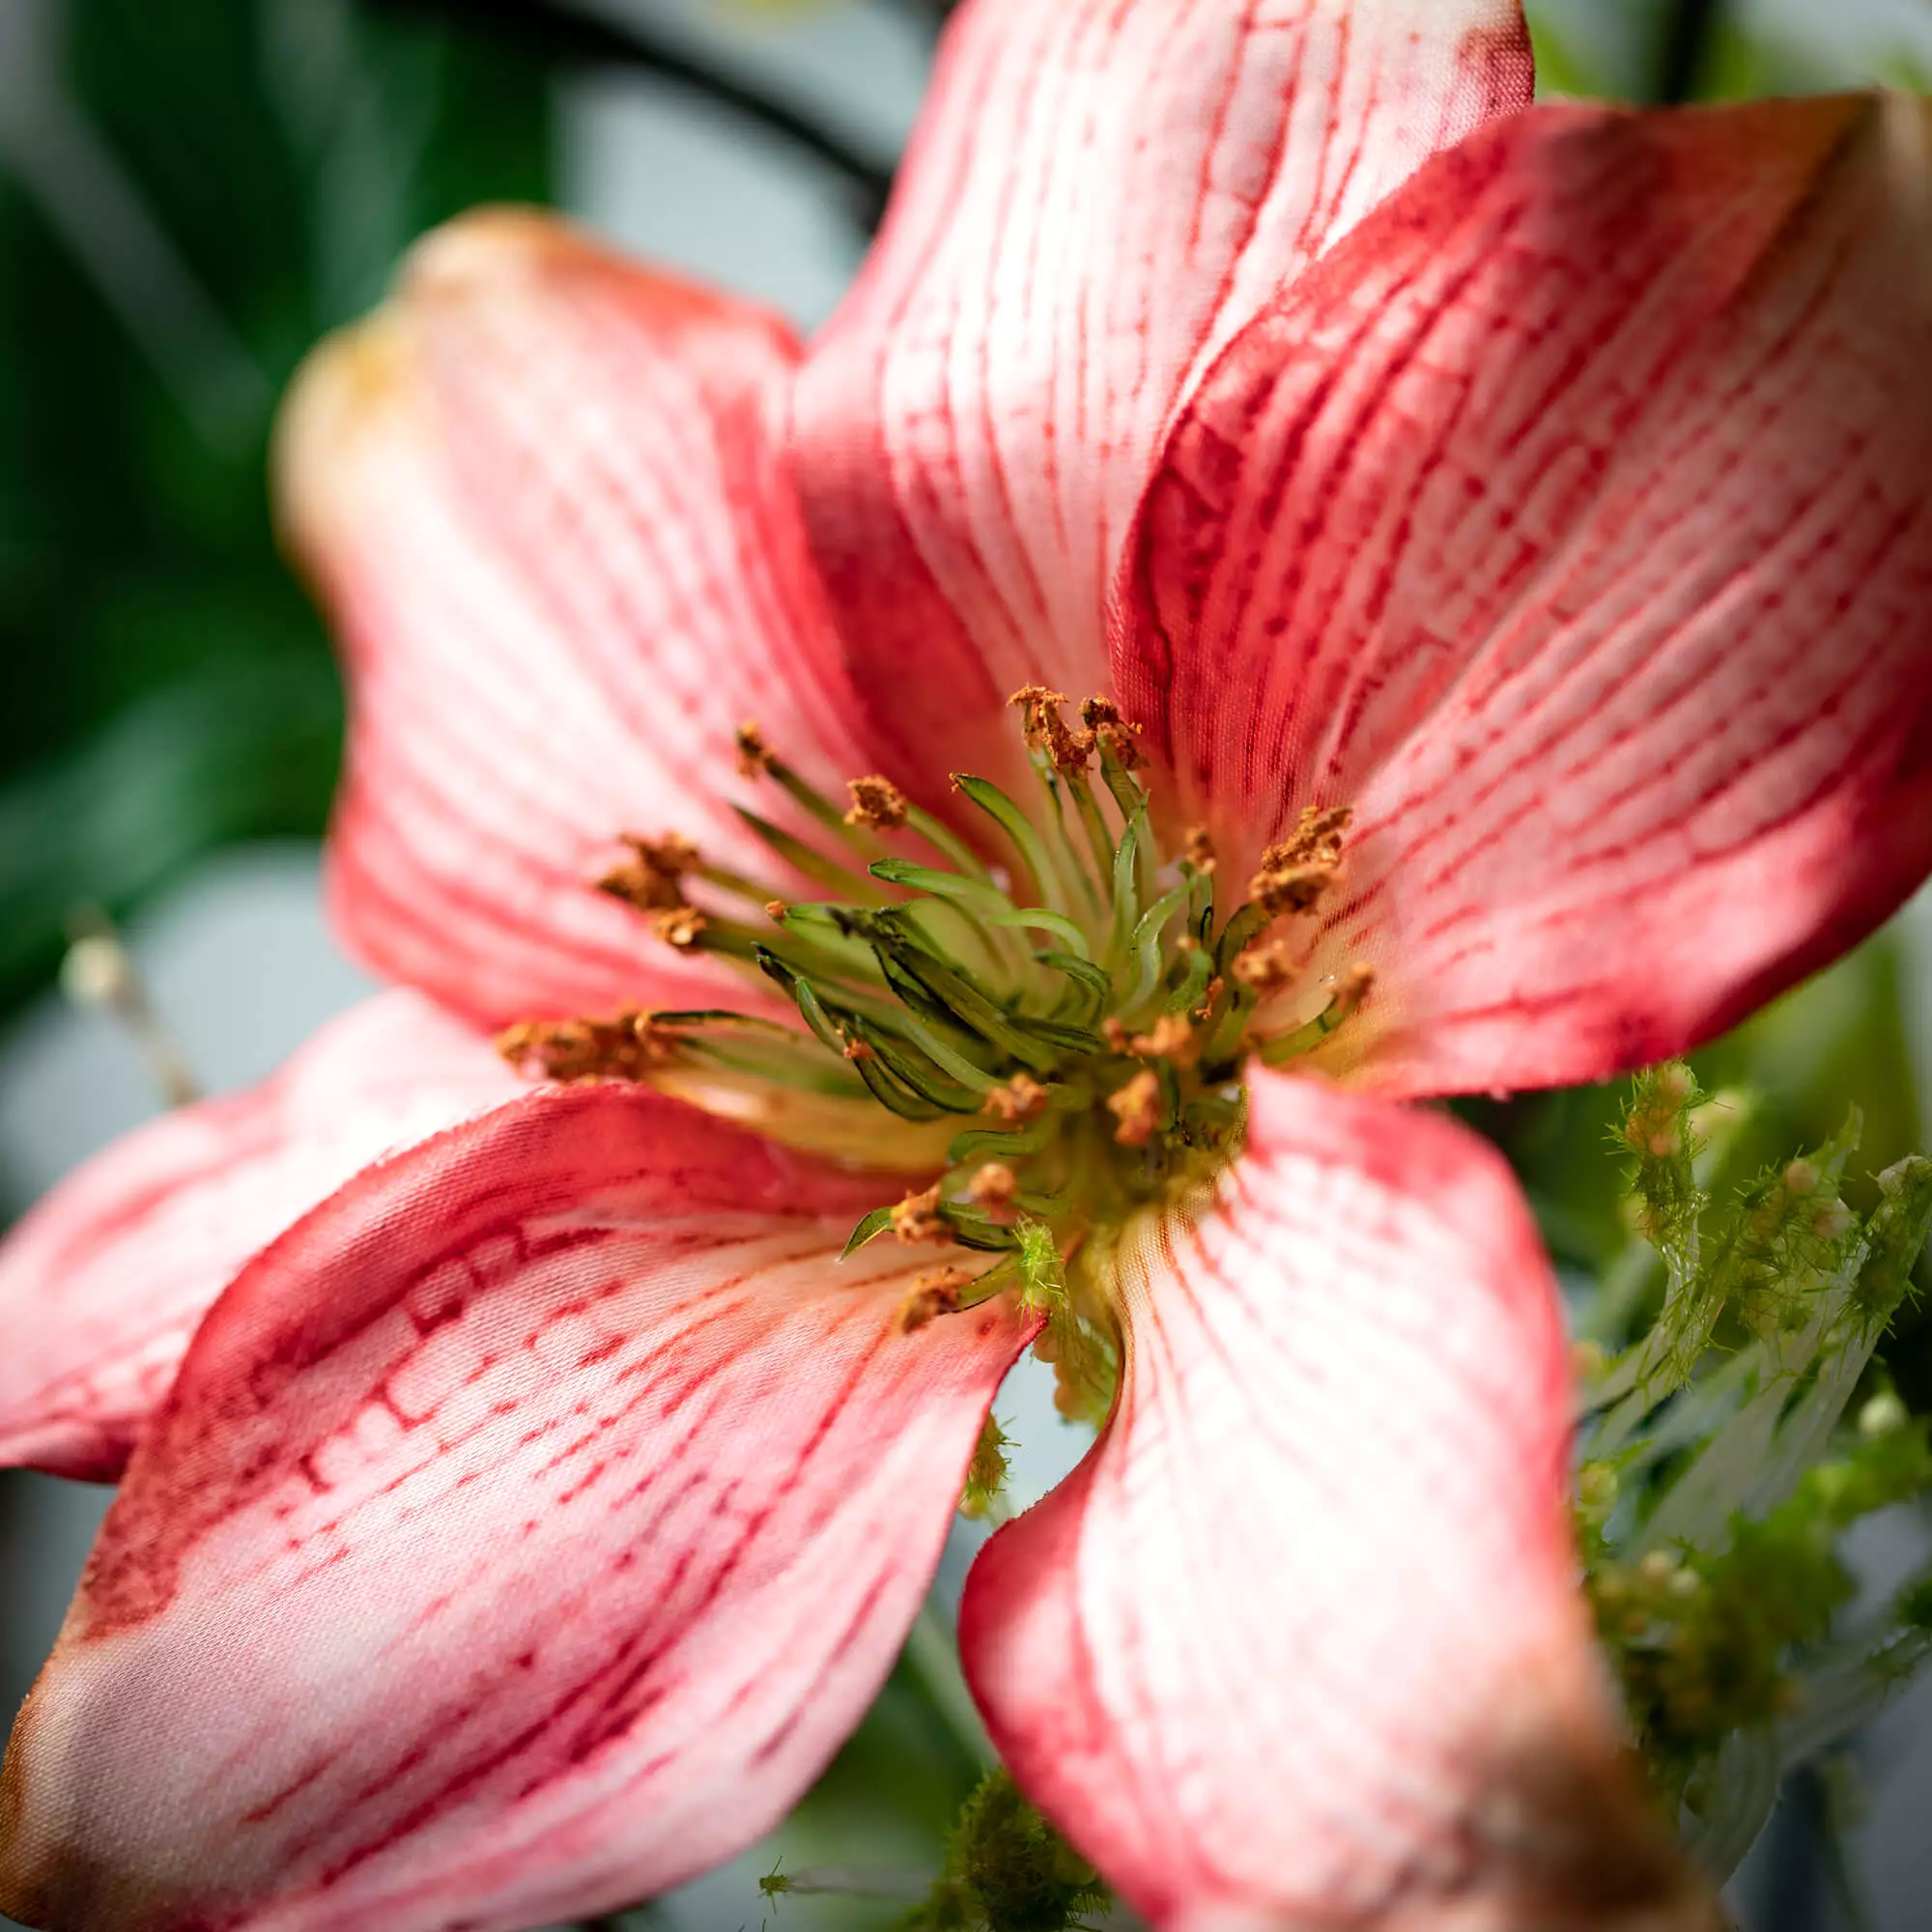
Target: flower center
1086, 998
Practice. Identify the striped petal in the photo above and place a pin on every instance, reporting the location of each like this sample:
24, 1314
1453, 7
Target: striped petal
525, 1532
1100, 193
1574, 522
539, 498
1300, 1643
104, 1282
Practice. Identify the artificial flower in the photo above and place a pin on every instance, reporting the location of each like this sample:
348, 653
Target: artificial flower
1486, 551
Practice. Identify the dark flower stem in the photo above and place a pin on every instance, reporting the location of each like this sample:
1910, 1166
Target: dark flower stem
567, 38
1688, 32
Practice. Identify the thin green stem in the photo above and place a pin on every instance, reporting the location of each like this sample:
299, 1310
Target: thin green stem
932, 1656
1689, 31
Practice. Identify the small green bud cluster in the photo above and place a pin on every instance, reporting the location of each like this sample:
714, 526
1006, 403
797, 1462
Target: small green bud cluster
1723, 1463
1768, 1262
1790, 1234
1659, 1138
1008, 1871
1711, 1642
987, 1473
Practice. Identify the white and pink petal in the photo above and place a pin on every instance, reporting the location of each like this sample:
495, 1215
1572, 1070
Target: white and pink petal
1301, 1643
1573, 522
541, 497
1099, 194
103, 1283
525, 1532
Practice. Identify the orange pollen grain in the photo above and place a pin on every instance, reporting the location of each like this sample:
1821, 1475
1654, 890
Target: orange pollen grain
914, 1219
626, 1047
1267, 969
650, 878
995, 1187
1318, 835
1112, 732
1021, 1098
1045, 727
1137, 1109
681, 929
1172, 1038
1288, 889
879, 803
753, 754
1198, 848
932, 1296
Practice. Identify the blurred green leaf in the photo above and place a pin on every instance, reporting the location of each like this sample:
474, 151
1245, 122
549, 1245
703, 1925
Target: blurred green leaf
1790, 49
246, 750
189, 197
1602, 48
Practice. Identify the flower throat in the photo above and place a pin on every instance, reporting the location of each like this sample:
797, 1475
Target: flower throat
1085, 998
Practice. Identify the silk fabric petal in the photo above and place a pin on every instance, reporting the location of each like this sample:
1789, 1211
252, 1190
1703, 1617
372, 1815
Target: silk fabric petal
539, 496
103, 1284
1574, 522
1099, 194
525, 1532
1300, 1643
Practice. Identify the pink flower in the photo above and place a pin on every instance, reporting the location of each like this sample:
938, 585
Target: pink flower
1516, 564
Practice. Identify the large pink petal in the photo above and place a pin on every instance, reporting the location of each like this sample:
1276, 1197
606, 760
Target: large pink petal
523, 1532
1301, 1638
103, 1283
1100, 193
1574, 521
539, 494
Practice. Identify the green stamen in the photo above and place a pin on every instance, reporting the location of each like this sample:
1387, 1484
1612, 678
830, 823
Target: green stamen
1102, 1064
1038, 920
1013, 822
814, 863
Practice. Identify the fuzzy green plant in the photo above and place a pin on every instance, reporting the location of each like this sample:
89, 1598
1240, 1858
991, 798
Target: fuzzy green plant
1008, 1870
1735, 1426
1731, 1443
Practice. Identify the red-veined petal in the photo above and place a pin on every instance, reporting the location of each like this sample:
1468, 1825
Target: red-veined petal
524, 1530
540, 497
1302, 1638
1100, 193
1574, 521
105, 1281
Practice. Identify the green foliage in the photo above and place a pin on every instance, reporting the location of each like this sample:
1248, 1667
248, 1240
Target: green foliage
1843, 47
1008, 1870
1720, 1477
195, 193
1705, 1640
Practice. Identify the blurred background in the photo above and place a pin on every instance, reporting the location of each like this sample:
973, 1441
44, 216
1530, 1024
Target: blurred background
189, 196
